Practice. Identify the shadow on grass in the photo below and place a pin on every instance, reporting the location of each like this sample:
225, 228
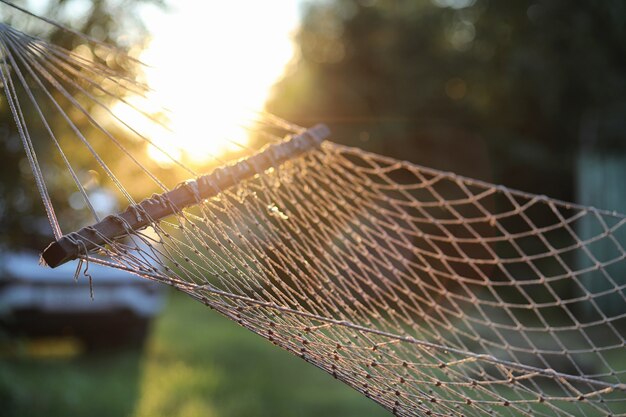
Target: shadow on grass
94, 385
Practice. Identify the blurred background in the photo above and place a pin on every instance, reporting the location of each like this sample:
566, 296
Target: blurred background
529, 94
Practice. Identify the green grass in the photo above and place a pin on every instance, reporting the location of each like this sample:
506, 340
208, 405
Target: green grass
195, 363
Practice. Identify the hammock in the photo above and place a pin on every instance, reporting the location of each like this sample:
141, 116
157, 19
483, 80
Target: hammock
430, 293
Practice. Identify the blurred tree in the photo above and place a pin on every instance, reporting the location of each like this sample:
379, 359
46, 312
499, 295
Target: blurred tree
22, 219
504, 91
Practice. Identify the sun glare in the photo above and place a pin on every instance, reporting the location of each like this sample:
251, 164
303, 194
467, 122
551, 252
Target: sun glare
211, 66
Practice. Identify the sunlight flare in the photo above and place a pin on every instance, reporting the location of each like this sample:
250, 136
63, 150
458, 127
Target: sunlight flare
213, 69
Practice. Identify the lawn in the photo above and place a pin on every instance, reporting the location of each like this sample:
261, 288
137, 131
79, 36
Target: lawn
195, 363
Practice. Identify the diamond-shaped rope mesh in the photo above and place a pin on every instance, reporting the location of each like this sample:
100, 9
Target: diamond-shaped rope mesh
430, 293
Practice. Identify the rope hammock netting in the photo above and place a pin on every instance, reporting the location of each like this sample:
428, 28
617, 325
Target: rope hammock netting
430, 293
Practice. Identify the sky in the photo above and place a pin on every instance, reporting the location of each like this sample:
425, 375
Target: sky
212, 63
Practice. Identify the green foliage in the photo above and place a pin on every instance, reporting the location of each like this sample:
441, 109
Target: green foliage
22, 219
505, 91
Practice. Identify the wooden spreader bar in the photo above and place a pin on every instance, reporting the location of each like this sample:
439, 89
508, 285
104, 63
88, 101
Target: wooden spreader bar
159, 206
